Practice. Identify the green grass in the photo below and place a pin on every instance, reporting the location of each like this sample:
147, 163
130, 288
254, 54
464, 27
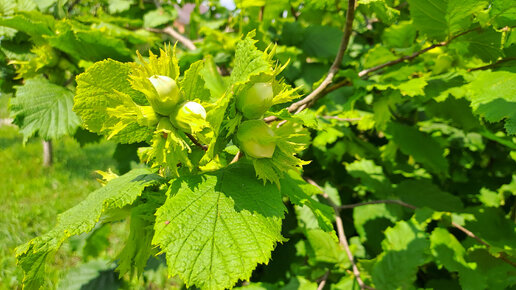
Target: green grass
4, 101
32, 195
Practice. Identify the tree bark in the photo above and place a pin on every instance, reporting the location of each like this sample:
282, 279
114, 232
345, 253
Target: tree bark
47, 153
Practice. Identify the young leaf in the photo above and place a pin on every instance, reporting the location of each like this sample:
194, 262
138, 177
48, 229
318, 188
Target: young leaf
104, 95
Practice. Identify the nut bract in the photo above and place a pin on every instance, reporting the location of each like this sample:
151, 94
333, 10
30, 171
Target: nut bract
256, 139
147, 116
190, 117
167, 94
255, 101
164, 124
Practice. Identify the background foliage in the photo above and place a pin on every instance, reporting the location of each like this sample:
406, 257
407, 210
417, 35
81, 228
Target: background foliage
412, 149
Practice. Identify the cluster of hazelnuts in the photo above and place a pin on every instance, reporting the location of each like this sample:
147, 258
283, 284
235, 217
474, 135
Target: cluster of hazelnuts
172, 111
254, 137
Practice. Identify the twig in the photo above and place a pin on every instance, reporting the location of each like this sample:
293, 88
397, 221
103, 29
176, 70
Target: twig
341, 119
323, 280
338, 85
318, 92
470, 234
260, 14
343, 241
294, 13
412, 56
196, 142
237, 157
172, 32
493, 64
393, 201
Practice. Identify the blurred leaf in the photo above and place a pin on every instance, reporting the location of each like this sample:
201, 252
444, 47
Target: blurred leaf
422, 147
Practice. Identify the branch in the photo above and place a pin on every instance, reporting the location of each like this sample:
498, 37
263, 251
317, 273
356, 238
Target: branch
393, 201
323, 280
343, 241
319, 91
493, 64
414, 55
172, 32
237, 157
470, 234
196, 142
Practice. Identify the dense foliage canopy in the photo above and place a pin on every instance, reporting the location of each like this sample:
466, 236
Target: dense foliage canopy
281, 143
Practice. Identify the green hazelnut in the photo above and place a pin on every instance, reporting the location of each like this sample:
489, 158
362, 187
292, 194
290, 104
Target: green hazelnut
190, 117
256, 139
167, 95
256, 100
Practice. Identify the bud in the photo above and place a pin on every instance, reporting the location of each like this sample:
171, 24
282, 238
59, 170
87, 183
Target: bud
190, 117
255, 101
147, 117
256, 139
167, 94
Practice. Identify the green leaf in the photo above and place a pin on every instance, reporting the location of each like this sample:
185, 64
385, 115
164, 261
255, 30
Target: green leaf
44, 108
138, 248
88, 44
216, 227
503, 12
117, 6
103, 93
493, 96
324, 248
193, 85
33, 23
249, 61
486, 44
371, 220
157, 17
371, 177
82, 218
424, 193
399, 35
96, 274
301, 193
451, 254
381, 9
439, 19
321, 41
423, 148
96, 242
405, 247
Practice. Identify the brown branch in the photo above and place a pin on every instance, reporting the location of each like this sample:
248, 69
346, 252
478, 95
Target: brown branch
319, 91
393, 201
196, 142
172, 32
324, 278
237, 157
343, 241
260, 14
493, 64
412, 56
